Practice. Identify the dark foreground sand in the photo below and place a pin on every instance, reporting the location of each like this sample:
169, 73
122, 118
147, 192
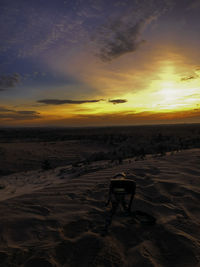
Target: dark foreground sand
57, 217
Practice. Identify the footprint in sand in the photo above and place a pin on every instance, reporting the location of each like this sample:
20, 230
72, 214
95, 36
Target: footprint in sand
39, 262
37, 209
71, 195
89, 250
3, 257
75, 228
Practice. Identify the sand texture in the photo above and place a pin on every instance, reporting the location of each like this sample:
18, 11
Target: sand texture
57, 217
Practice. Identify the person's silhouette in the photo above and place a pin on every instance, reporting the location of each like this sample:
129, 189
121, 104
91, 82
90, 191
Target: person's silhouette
120, 187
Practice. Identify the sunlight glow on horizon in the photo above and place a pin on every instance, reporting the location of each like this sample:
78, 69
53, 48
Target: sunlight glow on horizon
167, 93
157, 92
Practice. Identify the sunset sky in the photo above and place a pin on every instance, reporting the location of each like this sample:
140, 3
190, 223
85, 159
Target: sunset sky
99, 62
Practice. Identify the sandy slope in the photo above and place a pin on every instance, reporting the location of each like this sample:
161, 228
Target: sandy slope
57, 217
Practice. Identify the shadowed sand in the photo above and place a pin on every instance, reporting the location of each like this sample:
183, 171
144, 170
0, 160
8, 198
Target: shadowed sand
57, 217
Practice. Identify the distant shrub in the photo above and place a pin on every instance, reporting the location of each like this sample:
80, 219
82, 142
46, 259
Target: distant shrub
97, 156
75, 164
2, 186
2, 151
46, 165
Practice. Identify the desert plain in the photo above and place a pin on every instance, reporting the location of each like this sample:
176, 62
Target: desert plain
54, 184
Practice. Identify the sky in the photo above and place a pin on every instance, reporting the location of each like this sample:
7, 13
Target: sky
99, 63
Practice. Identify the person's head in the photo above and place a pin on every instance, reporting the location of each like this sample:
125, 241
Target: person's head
120, 176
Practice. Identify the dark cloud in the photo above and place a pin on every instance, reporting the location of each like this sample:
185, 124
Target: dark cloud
12, 114
9, 81
121, 39
77, 102
194, 5
27, 112
123, 33
2, 109
117, 101
67, 101
188, 78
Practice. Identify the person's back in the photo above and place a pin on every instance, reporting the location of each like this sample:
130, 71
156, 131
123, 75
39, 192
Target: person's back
125, 186
120, 186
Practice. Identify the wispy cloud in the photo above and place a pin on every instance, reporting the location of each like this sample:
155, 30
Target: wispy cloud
12, 114
9, 81
127, 118
194, 4
117, 101
2, 109
38, 29
66, 101
64, 24
188, 78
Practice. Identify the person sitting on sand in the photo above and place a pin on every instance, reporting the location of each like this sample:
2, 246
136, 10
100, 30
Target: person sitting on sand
120, 187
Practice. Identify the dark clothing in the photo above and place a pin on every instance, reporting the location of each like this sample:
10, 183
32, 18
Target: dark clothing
119, 188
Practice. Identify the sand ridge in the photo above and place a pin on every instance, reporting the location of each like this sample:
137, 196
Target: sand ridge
57, 217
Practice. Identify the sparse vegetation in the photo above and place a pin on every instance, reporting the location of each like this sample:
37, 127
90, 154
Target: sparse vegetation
26, 148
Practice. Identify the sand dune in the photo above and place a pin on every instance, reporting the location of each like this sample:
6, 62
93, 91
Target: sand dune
57, 217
